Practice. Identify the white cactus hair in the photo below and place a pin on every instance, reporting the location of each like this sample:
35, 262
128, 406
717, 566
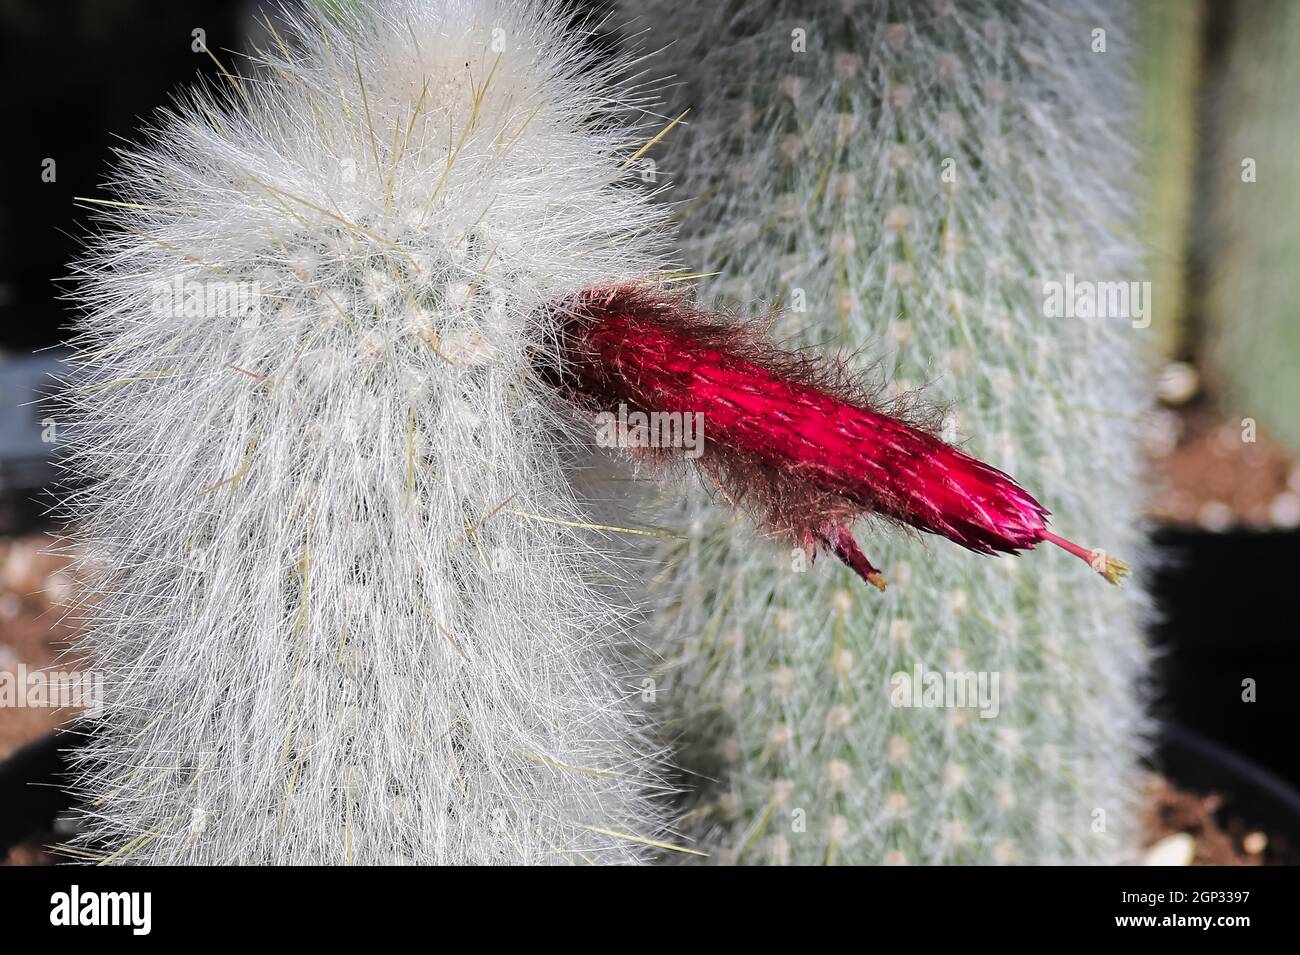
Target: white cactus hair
342, 592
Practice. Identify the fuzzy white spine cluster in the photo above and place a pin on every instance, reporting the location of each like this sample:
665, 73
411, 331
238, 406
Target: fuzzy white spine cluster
344, 600
903, 178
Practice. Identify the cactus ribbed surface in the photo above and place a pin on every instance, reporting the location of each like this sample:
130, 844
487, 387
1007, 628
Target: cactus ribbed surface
902, 179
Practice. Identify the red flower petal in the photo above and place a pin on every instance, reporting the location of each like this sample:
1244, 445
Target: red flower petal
787, 434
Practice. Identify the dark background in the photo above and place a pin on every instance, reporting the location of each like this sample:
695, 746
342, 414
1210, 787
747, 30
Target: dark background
79, 76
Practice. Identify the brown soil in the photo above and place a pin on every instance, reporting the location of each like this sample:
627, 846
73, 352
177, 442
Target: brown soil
1210, 474
34, 587
1220, 837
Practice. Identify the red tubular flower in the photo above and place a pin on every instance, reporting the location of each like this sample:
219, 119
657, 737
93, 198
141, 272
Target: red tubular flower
788, 435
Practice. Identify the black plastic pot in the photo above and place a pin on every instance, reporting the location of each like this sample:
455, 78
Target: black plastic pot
32, 793
1227, 614
1252, 794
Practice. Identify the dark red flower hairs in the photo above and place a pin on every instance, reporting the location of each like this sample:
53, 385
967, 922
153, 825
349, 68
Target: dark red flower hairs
789, 436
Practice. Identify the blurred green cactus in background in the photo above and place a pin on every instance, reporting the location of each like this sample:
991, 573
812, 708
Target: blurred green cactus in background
1169, 71
1253, 243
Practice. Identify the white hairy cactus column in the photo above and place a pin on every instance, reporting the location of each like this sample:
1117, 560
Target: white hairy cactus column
344, 601
903, 178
